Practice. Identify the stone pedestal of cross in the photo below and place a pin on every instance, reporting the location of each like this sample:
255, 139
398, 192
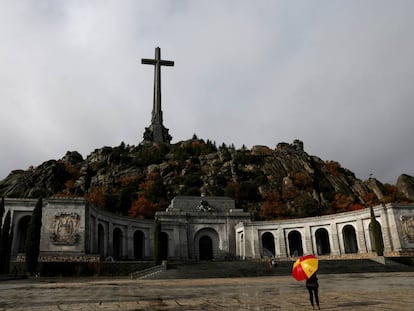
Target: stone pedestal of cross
156, 132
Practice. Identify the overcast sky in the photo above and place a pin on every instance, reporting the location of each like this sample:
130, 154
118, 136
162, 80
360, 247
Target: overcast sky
338, 75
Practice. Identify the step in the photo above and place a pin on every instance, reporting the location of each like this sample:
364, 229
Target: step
223, 269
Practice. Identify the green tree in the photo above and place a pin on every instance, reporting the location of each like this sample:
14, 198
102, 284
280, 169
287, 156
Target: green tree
33, 238
376, 232
5, 245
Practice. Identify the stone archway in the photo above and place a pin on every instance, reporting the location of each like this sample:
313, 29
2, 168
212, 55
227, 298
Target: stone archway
350, 240
322, 242
268, 245
117, 243
138, 245
22, 233
295, 243
206, 243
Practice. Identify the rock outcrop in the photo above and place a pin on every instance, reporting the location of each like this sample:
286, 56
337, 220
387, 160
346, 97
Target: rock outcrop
405, 184
280, 182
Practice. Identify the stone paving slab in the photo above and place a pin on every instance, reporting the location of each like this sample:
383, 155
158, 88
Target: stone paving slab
359, 291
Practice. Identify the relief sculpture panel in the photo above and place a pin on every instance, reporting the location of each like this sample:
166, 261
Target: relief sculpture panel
65, 229
407, 223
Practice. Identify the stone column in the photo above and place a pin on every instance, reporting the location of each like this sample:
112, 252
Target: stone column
307, 241
129, 242
149, 243
110, 241
256, 243
362, 243
388, 245
249, 243
335, 250
92, 235
393, 227
281, 245
125, 242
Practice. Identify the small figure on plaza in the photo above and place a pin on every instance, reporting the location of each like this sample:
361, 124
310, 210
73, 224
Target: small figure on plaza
272, 263
312, 287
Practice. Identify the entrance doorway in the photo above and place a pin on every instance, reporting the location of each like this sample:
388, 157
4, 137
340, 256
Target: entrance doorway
138, 245
206, 248
268, 244
322, 242
206, 244
117, 244
350, 240
295, 244
22, 233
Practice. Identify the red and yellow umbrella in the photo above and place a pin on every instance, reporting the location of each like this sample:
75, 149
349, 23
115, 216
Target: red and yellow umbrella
304, 267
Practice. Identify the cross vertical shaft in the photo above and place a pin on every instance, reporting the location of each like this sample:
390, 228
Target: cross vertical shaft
157, 132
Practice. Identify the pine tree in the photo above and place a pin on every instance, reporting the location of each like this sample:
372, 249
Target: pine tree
157, 242
33, 238
376, 232
5, 245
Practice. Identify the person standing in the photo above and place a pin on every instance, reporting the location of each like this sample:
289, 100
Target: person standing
312, 286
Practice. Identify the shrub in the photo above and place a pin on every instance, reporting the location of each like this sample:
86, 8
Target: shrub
33, 238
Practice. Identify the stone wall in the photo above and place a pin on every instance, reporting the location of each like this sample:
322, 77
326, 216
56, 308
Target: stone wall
205, 227
340, 230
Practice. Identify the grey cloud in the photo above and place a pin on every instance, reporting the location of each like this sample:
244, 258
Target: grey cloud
337, 75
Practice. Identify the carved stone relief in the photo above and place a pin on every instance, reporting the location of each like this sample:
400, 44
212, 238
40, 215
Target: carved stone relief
65, 229
204, 206
407, 223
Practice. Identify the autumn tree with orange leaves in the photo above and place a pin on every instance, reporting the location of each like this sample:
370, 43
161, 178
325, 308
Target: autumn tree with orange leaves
142, 208
272, 207
151, 198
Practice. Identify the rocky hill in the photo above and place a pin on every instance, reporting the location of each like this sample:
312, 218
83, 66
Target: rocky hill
271, 183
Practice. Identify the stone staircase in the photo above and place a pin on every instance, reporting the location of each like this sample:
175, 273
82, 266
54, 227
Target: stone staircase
256, 268
149, 272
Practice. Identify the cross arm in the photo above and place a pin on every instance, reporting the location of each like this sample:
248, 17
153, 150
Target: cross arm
166, 63
147, 61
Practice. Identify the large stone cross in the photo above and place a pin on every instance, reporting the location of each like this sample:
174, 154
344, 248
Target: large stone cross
157, 62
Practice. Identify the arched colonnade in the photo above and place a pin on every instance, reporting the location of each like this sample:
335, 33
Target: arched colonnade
322, 236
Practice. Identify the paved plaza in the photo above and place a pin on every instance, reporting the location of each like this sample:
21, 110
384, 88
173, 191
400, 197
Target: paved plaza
357, 291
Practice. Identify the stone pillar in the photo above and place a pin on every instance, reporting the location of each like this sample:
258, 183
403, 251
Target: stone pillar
175, 243
240, 249
281, 245
256, 243
335, 250
125, 242
129, 241
186, 241
362, 243
248, 243
149, 243
14, 225
110, 239
92, 235
388, 243
308, 241
394, 229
